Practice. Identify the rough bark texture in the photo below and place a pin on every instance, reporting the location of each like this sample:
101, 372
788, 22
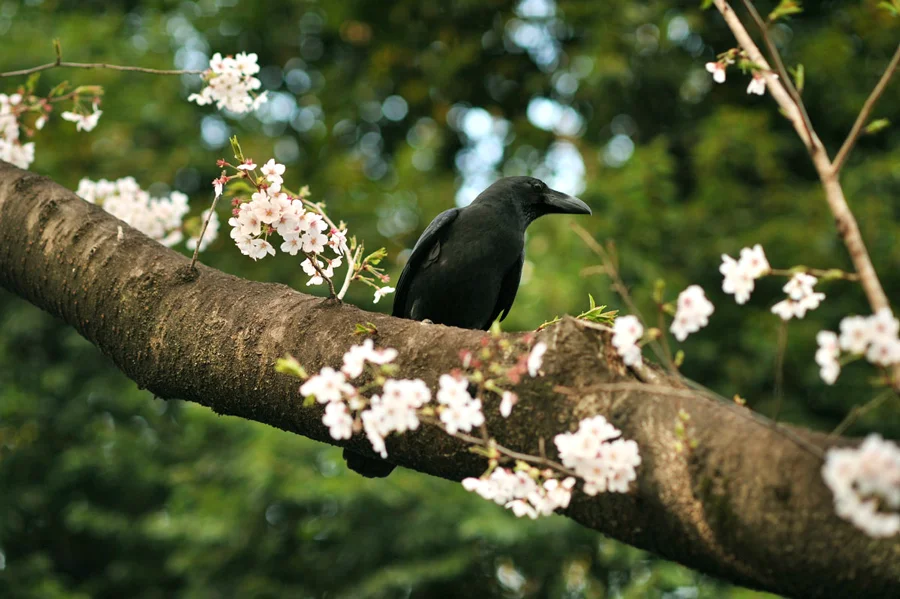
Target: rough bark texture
748, 504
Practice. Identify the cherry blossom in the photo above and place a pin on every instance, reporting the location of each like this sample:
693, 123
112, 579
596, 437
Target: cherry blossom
718, 71
605, 462
327, 386
338, 420
381, 292
536, 358
692, 314
865, 482
507, 401
273, 172
83, 122
627, 332
757, 85
459, 410
230, 84
827, 356
521, 493
356, 357
161, 219
740, 275
801, 297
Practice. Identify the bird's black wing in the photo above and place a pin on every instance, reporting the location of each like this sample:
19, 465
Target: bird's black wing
508, 289
426, 250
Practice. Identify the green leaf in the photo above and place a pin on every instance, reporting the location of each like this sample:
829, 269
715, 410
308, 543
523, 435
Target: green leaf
236, 148
877, 125
892, 7
290, 366
31, 84
785, 8
704, 4
365, 329
799, 74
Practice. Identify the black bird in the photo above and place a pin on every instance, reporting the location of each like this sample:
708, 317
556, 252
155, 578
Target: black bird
464, 270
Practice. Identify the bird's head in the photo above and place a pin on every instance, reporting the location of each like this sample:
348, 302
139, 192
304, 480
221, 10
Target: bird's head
534, 197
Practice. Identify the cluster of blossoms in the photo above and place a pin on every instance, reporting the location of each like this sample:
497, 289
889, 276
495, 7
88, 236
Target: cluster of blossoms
15, 110
597, 454
718, 69
875, 337
865, 482
692, 313
161, 219
12, 149
354, 405
230, 83
527, 491
801, 297
740, 275
627, 333
303, 226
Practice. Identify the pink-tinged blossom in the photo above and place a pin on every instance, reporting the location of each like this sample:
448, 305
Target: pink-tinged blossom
159, 218
273, 172
801, 297
865, 482
219, 185
536, 358
247, 165
740, 275
338, 420
338, 241
357, 356
230, 84
627, 332
327, 386
507, 401
259, 248
292, 245
521, 493
855, 334
606, 465
692, 313
757, 85
459, 411
717, 69
381, 292
313, 242
83, 122
827, 356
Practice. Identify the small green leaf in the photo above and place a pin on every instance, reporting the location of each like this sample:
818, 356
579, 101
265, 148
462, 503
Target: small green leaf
877, 125
365, 329
784, 9
593, 303
679, 358
892, 7
799, 74
31, 84
236, 148
290, 366
704, 4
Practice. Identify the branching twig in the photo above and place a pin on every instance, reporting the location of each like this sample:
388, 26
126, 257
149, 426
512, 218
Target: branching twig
209, 215
515, 455
864, 113
858, 411
834, 194
98, 65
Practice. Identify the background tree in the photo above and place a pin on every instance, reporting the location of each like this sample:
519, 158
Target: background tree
379, 111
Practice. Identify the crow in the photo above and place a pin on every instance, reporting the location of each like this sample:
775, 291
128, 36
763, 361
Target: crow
464, 270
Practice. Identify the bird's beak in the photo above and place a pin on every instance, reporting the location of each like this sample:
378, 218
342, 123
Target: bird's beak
565, 204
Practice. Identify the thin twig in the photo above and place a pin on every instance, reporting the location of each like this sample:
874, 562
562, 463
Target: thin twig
515, 455
98, 65
847, 147
609, 268
858, 411
209, 215
779, 64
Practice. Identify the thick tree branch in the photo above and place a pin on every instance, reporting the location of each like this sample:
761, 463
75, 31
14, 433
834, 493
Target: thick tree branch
747, 504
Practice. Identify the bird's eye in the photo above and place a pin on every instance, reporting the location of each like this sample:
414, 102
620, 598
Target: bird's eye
537, 186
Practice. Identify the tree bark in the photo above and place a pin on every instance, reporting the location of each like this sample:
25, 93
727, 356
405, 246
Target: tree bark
747, 504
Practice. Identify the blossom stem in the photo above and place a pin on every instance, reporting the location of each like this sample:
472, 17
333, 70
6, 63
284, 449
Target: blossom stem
515, 455
858, 411
817, 272
847, 146
351, 261
313, 259
209, 215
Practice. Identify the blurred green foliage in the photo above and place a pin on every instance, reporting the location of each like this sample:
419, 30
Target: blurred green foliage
107, 492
